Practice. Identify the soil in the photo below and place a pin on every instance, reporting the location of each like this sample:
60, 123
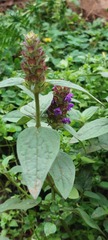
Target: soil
6, 4
90, 9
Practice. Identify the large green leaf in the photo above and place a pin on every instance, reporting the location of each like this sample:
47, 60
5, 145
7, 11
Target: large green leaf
11, 82
63, 173
92, 129
16, 203
37, 150
69, 84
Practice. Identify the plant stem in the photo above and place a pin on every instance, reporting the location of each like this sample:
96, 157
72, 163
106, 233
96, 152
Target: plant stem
67, 229
37, 110
16, 184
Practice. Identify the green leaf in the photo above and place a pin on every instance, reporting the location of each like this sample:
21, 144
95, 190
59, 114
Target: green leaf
91, 195
87, 160
89, 221
104, 74
103, 140
89, 112
3, 238
37, 150
29, 109
13, 116
74, 194
74, 114
92, 129
23, 120
49, 228
71, 85
45, 101
11, 82
27, 91
15, 169
63, 173
103, 184
99, 212
17, 203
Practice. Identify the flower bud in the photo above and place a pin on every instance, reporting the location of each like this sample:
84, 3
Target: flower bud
60, 106
33, 63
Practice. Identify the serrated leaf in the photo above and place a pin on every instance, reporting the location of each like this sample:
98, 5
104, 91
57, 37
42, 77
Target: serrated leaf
13, 116
49, 228
63, 173
37, 150
11, 82
92, 129
69, 84
17, 203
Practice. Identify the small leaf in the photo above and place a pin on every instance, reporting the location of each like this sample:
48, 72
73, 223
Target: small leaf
37, 150
89, 112
74, 194
13, 116
87, 160
103, 184
49, 228
91, 195
63, 173
89, 221
99, 212
11, 82
92, 129
15, 169
74, 114
17, 203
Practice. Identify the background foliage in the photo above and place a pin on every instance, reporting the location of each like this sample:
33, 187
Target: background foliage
76, 51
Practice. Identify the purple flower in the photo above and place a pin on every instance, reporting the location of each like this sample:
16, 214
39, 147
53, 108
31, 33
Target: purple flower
57, 111
68, 97
66, 120
70, 105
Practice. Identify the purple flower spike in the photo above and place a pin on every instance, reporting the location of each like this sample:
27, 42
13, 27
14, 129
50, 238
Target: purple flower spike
57, 111
70, 105
66, 120
68, 97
